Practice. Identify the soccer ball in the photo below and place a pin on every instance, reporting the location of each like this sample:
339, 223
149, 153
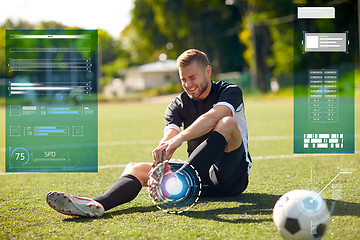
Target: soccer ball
301, 214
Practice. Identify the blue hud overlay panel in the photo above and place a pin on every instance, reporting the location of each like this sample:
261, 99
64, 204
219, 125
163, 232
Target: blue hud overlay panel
325, 43
51, 101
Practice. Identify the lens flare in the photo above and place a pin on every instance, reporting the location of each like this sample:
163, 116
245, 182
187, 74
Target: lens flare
173, 186
178, 188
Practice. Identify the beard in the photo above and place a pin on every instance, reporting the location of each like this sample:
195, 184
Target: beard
201, 88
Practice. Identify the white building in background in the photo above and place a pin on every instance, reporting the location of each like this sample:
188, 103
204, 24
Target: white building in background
152, 75
115, 88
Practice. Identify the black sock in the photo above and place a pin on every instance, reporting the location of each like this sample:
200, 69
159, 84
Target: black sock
123, 190
206, 154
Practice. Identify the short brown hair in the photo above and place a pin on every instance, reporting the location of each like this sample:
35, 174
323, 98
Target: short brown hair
192, 55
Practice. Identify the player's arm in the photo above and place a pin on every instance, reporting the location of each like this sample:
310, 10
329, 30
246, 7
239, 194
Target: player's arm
204, 124
169, 134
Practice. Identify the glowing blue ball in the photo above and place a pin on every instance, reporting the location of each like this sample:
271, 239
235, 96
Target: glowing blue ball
178, 190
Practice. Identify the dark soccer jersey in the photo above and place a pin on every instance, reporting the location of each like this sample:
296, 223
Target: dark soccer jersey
183, 110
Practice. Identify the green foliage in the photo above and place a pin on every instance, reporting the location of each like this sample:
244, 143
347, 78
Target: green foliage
108, 47
271, 30
185, 24
245, 38
114, 69
114, 57
21, 24
282, 51
51, 25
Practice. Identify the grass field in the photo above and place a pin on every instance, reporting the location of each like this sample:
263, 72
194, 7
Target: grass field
128, 132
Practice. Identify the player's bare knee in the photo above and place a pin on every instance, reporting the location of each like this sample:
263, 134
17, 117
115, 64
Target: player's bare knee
229, 121
226, 126
136, 167
138, 170
129, 167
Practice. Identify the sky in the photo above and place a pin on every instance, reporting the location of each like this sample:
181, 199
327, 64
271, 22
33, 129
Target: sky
109, 15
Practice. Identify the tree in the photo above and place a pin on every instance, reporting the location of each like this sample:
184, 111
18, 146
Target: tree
206, 25
51, 25
108, 47
272, 29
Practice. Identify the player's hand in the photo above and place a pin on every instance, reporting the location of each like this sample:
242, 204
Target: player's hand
158, 156
156, 176
168, 147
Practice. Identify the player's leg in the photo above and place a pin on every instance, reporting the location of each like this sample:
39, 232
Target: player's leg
229, 175
124, 190
227, 127
225, 137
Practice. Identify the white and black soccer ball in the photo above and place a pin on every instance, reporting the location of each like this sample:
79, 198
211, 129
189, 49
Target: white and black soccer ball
301, 214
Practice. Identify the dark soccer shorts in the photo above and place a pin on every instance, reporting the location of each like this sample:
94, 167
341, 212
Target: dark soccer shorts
226, 177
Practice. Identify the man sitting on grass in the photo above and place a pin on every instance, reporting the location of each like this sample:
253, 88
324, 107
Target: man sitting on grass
212, 116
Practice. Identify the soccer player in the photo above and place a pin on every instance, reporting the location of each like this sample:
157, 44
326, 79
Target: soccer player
212, 116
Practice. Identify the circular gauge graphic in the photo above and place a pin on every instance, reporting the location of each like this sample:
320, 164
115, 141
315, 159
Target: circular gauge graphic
176, 189
19, 157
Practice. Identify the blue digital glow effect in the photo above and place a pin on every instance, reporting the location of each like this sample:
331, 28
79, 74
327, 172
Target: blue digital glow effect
63, 112
310, 204
174, 186
50, 130
59, 109
180, 188
20, 156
